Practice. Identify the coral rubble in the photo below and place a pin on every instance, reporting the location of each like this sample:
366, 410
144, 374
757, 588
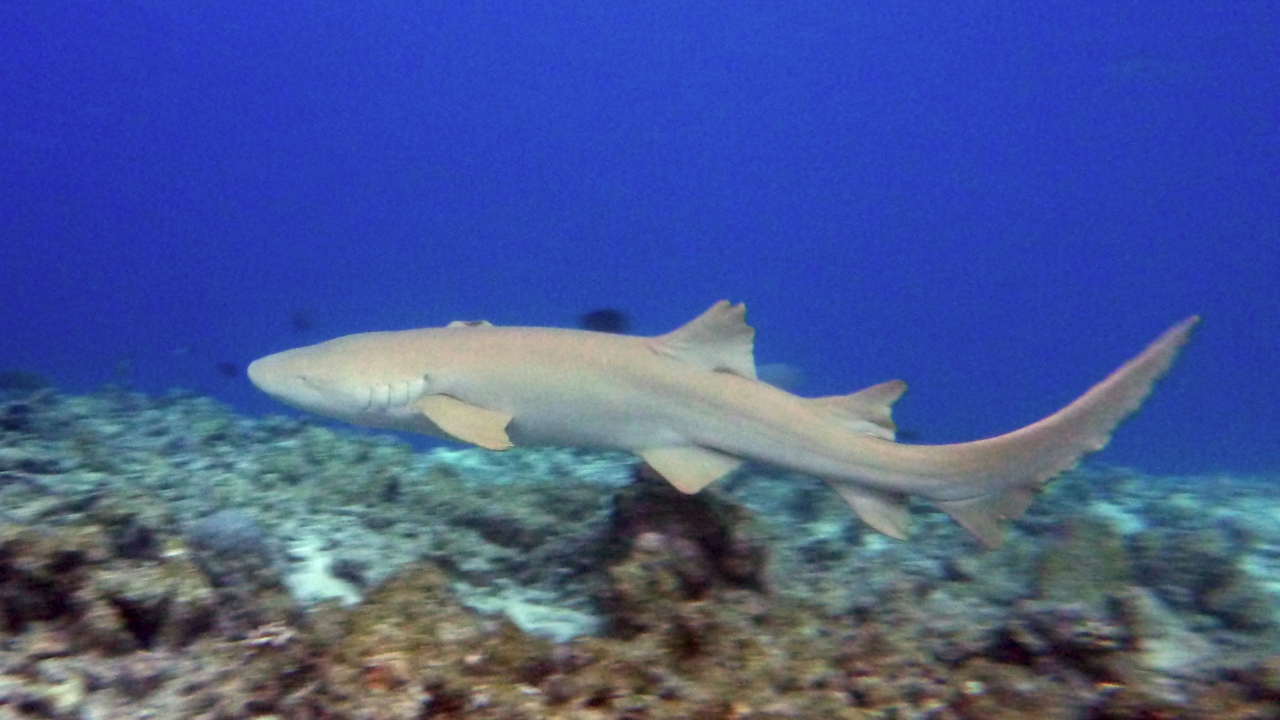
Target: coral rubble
164, 558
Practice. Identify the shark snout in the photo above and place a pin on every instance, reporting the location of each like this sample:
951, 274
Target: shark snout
259, 374
296, 378
254, 372
272, 376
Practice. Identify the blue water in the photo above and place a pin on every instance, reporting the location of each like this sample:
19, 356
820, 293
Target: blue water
998, 202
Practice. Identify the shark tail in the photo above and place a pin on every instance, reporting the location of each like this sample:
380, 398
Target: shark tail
1020, 463
985, 483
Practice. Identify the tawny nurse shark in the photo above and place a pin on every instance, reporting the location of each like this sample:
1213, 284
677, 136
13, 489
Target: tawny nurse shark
688, 403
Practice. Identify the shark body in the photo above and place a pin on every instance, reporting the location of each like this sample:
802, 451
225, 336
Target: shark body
688, 403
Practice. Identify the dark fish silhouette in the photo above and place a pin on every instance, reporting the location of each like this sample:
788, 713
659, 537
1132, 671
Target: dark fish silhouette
18, 379
302, 321
229, 369
606, 320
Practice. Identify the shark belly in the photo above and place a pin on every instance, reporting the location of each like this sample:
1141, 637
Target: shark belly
578, 411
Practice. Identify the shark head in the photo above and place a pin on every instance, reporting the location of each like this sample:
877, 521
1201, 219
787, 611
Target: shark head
337, 379
397, 380
310, 381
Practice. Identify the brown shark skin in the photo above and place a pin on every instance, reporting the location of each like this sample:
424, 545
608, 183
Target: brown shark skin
689, 403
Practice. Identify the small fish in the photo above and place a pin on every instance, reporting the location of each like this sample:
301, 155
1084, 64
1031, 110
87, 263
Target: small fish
302, 321
605, 320
689, 404
228, 369
18, 379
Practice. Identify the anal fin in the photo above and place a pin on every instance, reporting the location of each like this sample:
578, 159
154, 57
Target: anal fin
690, 468
884, 511
466, 422
984, 516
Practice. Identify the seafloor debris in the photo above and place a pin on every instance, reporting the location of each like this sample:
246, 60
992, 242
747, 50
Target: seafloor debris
163, 558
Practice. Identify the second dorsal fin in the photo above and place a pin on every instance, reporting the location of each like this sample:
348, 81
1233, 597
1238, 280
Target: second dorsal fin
868, 411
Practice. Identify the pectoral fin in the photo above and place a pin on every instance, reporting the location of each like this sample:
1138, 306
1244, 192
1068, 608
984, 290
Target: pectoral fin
690, 468
467, 423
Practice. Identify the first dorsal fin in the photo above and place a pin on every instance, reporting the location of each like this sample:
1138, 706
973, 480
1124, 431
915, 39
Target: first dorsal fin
719, 340
470, 323
868, 411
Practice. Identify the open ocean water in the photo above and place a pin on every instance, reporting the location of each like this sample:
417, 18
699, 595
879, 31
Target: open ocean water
996, 202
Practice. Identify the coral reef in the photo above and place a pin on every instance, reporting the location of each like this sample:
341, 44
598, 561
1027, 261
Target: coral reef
1087, 562
164, 558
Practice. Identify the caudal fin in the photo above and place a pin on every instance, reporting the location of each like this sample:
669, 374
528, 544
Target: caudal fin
984, 483
1014, 467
